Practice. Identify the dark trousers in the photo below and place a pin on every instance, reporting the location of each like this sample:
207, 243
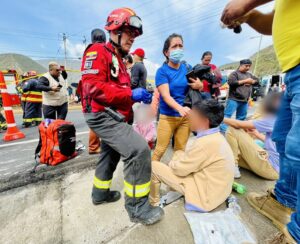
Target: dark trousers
118, 139
23, 104
3, 124
55, 112
33, 112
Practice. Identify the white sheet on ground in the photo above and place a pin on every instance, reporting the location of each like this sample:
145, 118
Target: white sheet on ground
218, 228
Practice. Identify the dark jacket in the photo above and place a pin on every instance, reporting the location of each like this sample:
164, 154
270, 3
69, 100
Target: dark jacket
138, 75
43, 84
240, 93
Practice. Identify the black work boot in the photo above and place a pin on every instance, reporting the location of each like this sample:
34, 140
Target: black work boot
140, 211
109, 196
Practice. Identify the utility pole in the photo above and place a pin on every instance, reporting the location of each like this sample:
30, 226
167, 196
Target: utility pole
84, 41
258, 54
65, 47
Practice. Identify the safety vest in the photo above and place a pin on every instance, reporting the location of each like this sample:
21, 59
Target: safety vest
52, 98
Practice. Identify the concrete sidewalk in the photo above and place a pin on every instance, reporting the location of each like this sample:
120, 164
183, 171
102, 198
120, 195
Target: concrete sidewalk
61, 211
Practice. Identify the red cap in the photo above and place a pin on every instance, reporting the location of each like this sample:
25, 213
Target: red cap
139, 52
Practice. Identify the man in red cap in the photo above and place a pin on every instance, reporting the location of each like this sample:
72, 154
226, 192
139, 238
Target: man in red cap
138, 71
107, 104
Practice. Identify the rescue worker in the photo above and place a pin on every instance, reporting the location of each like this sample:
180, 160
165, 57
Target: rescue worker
98, 36
33, 101
55, 94
107, 100
3, 124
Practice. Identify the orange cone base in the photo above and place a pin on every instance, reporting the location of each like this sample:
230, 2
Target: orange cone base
13, 136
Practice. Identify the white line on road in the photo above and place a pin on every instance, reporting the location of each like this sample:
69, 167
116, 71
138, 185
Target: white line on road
35, 140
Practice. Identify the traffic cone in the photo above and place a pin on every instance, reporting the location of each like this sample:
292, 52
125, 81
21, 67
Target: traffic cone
12, 133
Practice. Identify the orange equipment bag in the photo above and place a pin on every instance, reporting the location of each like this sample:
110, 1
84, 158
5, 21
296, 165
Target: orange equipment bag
57, 142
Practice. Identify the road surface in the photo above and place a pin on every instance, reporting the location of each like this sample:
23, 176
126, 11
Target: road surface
18, 156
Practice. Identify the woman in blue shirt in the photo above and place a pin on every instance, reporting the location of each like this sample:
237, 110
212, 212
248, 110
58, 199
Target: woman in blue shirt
172, 85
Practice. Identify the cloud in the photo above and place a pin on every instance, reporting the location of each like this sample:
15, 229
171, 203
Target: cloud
73, 49
151, 67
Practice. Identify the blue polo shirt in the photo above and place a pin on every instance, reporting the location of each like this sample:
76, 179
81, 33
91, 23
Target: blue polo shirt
178, 86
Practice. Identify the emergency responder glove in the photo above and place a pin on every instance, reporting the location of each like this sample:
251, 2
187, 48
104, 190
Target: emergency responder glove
141, 95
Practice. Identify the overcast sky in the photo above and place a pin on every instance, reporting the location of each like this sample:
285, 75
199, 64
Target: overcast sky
35, 27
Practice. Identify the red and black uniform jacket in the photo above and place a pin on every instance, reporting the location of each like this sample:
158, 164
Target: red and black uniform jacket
103, 84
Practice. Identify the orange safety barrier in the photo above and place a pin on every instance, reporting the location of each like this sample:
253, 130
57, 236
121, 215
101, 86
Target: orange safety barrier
12, 133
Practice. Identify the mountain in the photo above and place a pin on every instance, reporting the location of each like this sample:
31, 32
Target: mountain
20, 63
267, 63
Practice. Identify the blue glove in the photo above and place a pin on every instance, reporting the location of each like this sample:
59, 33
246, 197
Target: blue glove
141, 95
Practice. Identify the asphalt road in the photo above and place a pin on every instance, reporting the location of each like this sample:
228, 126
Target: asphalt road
18, 156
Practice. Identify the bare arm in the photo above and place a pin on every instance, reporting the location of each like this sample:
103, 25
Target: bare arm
237, 8
261, 22
164, 91
238, 124
254, 133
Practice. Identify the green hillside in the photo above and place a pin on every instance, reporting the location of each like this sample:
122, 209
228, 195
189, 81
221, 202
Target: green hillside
20, 63
267, 63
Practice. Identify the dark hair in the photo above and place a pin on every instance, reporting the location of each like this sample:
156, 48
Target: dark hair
270, 104
207, 53
129, 58
168, 42
212, 110
246, 62
98, 35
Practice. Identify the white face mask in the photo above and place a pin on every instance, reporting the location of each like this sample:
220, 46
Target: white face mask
176, 55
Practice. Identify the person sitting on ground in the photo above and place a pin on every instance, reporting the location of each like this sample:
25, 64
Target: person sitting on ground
247, 153
204, 173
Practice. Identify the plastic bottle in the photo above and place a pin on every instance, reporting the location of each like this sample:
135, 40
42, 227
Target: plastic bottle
239, 188
232, 205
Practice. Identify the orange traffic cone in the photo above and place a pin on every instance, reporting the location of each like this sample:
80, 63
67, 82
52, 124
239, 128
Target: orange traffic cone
12, 132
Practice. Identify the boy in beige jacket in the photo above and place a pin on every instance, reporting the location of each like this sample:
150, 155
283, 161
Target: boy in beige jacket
204, 173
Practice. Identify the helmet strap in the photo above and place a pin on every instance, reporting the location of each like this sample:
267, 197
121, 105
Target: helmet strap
118, 45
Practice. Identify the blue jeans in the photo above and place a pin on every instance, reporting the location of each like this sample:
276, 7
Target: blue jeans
286, 135
232, 106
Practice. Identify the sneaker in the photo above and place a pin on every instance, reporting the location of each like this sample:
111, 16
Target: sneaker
268, 206
237, 173
112, 196
149, 215
283, 238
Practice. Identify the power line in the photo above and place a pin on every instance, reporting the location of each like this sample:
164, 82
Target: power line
184, 27
89, 28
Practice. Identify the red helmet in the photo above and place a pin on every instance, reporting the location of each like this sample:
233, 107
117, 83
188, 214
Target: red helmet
123, 17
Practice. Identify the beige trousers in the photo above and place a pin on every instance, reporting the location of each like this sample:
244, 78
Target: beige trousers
249, 155
162, 173
167, 127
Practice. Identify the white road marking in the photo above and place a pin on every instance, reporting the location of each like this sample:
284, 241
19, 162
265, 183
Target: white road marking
36, 140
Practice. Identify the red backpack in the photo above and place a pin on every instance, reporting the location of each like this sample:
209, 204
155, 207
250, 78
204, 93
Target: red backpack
57, 142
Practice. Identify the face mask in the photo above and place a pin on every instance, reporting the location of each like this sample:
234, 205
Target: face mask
176, 56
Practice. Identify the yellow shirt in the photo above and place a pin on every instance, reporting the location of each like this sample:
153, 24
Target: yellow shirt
286, 33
